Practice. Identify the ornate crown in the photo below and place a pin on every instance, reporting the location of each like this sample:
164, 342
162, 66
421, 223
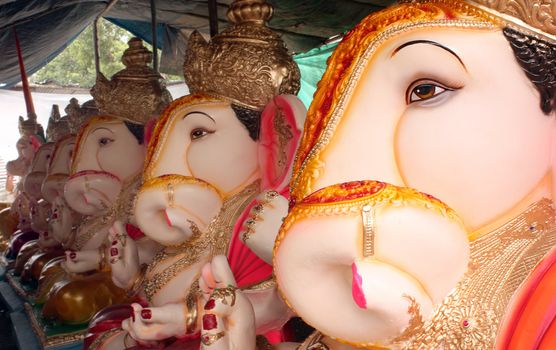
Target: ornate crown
246, 63
78, 115
536, 16
136, 93
531, 16
29, 126
58, 127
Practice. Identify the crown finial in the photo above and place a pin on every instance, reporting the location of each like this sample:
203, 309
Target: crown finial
135, 94
243, 11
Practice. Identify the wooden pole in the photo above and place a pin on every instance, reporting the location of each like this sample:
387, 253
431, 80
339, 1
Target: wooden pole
26, 91
154, 26
213, 17
95, 46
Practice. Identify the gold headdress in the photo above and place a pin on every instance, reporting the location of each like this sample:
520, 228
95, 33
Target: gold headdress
58, 127
29, 126
78, 115
136, 93
529, 16
246, 63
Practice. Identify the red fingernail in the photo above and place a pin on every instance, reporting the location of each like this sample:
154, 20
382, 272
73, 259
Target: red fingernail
113, 251
209, 322
146, 314
72, 255
114, 242
210, 304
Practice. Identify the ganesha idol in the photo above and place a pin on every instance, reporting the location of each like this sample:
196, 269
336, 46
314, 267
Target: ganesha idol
105, 175
27, 146
39, 209
217, 159
62, 222
426, 99
51, 187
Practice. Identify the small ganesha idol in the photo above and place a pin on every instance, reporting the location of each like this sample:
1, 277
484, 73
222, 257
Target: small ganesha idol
427, 99
30, 159
105, 174
32, 183
58, 135
63, 221
218, 164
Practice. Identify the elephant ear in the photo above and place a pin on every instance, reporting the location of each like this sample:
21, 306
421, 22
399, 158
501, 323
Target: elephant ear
281, 128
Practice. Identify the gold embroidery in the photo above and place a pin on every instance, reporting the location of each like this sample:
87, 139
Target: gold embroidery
314, 342
470, 316
214, 242
122, 208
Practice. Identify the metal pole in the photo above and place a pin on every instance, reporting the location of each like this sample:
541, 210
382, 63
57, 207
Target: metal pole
154, 25
26, 91
95, 46
213, 17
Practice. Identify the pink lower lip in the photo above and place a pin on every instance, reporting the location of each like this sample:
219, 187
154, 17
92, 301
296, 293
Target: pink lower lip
356, 288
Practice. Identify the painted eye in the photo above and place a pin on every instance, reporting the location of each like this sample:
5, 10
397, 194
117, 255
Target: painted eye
105, 141
423, 90
199, 133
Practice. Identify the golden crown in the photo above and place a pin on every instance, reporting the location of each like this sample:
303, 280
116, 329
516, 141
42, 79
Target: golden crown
246, 63
57, 127
29, 126
534, 17
78, 115
136, 93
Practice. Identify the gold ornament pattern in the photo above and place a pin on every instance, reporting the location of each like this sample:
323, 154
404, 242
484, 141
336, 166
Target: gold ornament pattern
247, 63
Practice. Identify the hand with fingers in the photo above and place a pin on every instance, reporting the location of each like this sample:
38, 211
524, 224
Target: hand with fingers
123, 257
82, 261
149, 325
228, 320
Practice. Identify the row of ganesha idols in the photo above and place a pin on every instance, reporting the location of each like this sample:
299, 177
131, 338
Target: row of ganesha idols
210, 230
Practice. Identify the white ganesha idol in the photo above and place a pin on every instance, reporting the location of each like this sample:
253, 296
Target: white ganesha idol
105, 174
215, 182
451, 99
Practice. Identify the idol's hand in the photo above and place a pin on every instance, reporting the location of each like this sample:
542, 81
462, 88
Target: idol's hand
228, 317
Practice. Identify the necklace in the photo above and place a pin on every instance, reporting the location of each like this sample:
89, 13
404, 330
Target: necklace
122, 208
216, 241
500, 261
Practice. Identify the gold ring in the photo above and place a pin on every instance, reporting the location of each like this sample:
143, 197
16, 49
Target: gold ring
209, 339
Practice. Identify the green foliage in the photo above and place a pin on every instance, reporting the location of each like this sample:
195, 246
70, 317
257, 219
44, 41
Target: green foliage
76, 64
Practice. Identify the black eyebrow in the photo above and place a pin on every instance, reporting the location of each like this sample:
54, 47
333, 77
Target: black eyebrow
428, 42
199, 112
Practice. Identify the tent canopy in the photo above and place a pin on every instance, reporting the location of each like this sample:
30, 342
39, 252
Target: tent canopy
46, 27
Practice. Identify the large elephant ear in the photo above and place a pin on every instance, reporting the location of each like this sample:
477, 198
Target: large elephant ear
281, 128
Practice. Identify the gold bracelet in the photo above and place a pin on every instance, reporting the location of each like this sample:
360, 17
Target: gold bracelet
191, 302
102, 257
192, 311
126, 337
